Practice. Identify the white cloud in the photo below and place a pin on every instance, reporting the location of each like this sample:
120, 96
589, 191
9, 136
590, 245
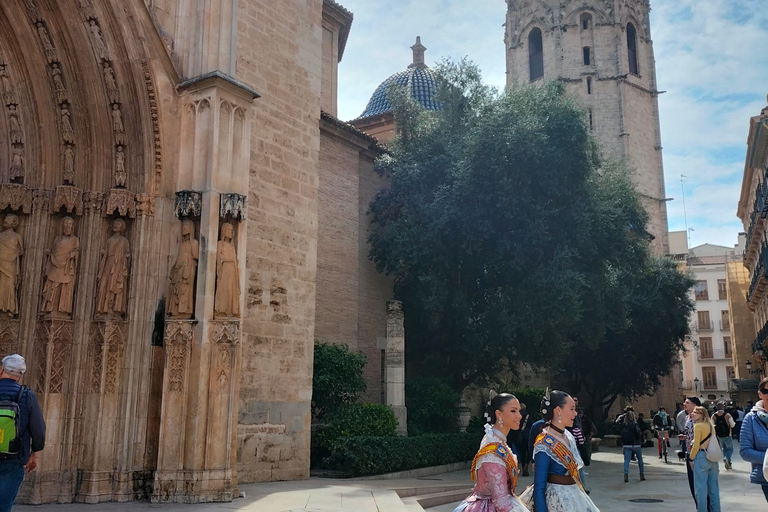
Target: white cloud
711, 59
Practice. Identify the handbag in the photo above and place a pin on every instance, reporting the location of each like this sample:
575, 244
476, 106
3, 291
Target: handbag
713, 451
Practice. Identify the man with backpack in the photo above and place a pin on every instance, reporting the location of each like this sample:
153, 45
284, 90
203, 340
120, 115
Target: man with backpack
724, 424
22, 429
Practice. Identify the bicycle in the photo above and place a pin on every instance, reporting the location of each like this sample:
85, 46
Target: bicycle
663, 436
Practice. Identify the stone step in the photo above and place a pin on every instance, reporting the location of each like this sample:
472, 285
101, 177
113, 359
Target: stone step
426, 501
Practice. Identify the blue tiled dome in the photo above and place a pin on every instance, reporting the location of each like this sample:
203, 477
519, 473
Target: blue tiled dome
418, 78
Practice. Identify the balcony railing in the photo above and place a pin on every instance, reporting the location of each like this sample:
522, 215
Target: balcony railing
720, 385
759, 211
703, 326
713, 354
758, 277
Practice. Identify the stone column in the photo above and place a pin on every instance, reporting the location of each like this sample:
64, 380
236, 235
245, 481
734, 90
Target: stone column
395, 361
198, 424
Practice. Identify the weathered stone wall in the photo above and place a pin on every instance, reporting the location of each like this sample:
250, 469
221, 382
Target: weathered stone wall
278, 323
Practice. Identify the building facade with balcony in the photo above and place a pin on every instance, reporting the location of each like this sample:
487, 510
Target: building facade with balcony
753, 212
707, 364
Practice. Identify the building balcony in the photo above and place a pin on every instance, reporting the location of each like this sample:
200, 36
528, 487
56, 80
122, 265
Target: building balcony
720, 385
710, 355
756, 223
759, 277
703, 326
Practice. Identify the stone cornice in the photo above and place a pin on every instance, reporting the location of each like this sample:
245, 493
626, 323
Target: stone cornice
350, 133
344, 19
219, 79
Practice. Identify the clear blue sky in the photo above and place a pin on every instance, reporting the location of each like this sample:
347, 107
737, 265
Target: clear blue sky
711, 59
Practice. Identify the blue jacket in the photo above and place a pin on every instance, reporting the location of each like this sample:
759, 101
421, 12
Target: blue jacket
31, 424
753, 444
545, 466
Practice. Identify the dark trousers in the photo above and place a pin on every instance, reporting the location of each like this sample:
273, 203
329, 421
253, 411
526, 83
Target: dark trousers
11, 475
689, 470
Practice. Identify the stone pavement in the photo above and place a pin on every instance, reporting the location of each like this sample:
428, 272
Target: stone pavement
609, 492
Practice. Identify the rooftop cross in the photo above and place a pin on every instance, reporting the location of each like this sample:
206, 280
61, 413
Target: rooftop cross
418, 54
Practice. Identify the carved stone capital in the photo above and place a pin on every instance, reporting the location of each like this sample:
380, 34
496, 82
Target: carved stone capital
121, 201
234, 205
188, 203
15, 196
70, 198
93, 202
145, 204
227, 332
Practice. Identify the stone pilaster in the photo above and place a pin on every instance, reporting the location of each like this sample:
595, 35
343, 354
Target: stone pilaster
395, 364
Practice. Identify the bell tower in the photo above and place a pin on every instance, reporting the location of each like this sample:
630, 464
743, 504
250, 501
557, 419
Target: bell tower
602, 51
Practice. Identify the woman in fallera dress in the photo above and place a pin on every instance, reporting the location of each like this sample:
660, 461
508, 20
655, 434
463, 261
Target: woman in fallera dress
556, 485
494, 469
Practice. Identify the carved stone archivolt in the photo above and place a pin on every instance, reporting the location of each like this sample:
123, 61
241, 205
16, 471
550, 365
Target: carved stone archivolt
11, 251
233, 205
181, 295
16, 166
178, 339
227, 299
114, 265
188, 203
61, 272
154, 113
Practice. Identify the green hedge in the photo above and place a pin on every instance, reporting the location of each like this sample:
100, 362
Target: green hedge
359, 456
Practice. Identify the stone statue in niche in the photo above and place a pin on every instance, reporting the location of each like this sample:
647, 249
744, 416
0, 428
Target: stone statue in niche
120, 174
117, 125
67, 133
69, 164
58, 83
111, 295
99, 46
45, 39
9, 95
61, 271
11, 250
17, 136
111, 83
183, 272
16, 169
226, 302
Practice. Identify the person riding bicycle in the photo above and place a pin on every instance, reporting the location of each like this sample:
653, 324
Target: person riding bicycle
661, 422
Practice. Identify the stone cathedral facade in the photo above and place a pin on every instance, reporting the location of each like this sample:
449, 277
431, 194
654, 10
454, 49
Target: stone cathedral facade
602, 51
182, 215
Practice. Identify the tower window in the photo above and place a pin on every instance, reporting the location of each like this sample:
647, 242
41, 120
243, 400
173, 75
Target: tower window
589, 85
535, 54
586, 21
632, 48
591, 122
586, 55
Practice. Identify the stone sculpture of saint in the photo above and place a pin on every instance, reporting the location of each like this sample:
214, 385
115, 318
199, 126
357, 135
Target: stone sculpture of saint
9, 95
61, 271
98, 41
11, 250
58, 84
16, 170
117, 124
183, 272
226, 302
67, 133
120, 174
17, 136
111, 297
109, 80
69, 164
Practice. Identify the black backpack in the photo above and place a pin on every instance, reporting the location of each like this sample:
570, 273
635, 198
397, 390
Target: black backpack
629, 434
721, 426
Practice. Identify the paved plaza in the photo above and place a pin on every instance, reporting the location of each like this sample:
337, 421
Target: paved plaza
664, 482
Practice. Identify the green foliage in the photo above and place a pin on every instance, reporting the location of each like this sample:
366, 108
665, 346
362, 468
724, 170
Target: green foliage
337, 378
431, 405
353, 420
476, 425
510, 239
531, 397
359, 456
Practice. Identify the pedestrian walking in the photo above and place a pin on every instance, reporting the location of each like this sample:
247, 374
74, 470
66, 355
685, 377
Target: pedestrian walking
687, 436
724, 423
645, 428
632, 442
754, 437
705, 472
738, 419
22, 429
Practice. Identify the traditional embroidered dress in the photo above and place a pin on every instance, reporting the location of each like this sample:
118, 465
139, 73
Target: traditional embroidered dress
495, 471
555, 459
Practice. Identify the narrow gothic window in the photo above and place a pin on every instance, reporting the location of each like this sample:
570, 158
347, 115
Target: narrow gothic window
591, 125
632, 48
589, 85
586, 55
586, 21
535, 54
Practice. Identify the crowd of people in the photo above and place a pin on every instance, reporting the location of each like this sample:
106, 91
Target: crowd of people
557, 448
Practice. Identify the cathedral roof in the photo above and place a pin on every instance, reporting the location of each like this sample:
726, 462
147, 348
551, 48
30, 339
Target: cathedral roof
417, 77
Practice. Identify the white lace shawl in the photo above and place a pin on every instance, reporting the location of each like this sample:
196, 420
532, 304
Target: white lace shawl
489, 438
570, 444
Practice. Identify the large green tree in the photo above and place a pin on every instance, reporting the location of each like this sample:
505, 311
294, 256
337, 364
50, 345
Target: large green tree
507, 236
